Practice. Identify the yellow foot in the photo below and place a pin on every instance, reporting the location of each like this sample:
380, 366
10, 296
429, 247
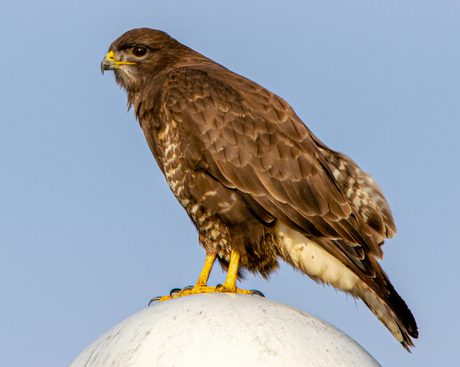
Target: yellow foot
220, 288
201, 285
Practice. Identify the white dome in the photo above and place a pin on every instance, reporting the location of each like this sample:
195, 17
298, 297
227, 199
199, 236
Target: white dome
223, 330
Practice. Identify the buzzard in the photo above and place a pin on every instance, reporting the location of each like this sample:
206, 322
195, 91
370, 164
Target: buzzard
255, 181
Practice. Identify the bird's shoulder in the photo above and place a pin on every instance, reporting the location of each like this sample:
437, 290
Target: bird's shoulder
220, 99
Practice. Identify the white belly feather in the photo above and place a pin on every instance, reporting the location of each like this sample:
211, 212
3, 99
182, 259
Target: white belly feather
313, 260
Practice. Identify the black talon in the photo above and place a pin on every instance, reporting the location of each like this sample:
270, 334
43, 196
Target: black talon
218, 286
174, 290
256, 293
157, 298
186, 289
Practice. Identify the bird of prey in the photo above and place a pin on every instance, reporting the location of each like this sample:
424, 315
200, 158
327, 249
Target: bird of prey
255, 181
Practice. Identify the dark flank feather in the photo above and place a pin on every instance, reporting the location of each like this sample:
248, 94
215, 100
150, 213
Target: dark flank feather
253, 178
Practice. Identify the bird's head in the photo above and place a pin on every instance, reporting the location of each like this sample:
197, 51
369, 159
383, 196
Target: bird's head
140, 54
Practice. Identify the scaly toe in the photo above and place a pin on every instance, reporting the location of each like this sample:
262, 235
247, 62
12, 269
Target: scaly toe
175, 292
198, 289
224, 288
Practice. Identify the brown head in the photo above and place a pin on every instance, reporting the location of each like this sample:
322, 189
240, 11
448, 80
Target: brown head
140, 54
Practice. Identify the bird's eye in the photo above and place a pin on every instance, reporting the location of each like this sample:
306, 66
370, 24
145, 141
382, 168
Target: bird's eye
139, 51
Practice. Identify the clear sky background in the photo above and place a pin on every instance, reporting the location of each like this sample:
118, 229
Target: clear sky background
89, 230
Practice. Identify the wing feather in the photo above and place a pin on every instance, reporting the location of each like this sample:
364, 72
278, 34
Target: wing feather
253, 142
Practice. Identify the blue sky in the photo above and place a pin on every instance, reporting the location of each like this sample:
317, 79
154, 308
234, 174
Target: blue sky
89, 230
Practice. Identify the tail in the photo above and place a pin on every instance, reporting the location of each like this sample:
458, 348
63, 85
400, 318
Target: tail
359, 274
391, 310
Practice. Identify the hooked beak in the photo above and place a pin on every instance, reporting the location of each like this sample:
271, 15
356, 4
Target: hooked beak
109, 62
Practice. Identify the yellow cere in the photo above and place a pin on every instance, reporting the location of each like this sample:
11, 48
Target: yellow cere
111, 57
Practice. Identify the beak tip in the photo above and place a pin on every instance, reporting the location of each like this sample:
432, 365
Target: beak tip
105, 65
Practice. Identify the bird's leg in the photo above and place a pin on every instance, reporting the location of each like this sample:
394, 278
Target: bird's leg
205, 272
230, 283
201, 285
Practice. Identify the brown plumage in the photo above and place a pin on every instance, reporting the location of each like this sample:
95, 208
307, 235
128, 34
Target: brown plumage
253, 178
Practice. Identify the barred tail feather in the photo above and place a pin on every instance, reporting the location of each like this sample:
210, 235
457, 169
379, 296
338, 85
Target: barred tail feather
391, 310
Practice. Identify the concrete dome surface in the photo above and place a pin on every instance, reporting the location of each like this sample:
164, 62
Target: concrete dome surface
222, 330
